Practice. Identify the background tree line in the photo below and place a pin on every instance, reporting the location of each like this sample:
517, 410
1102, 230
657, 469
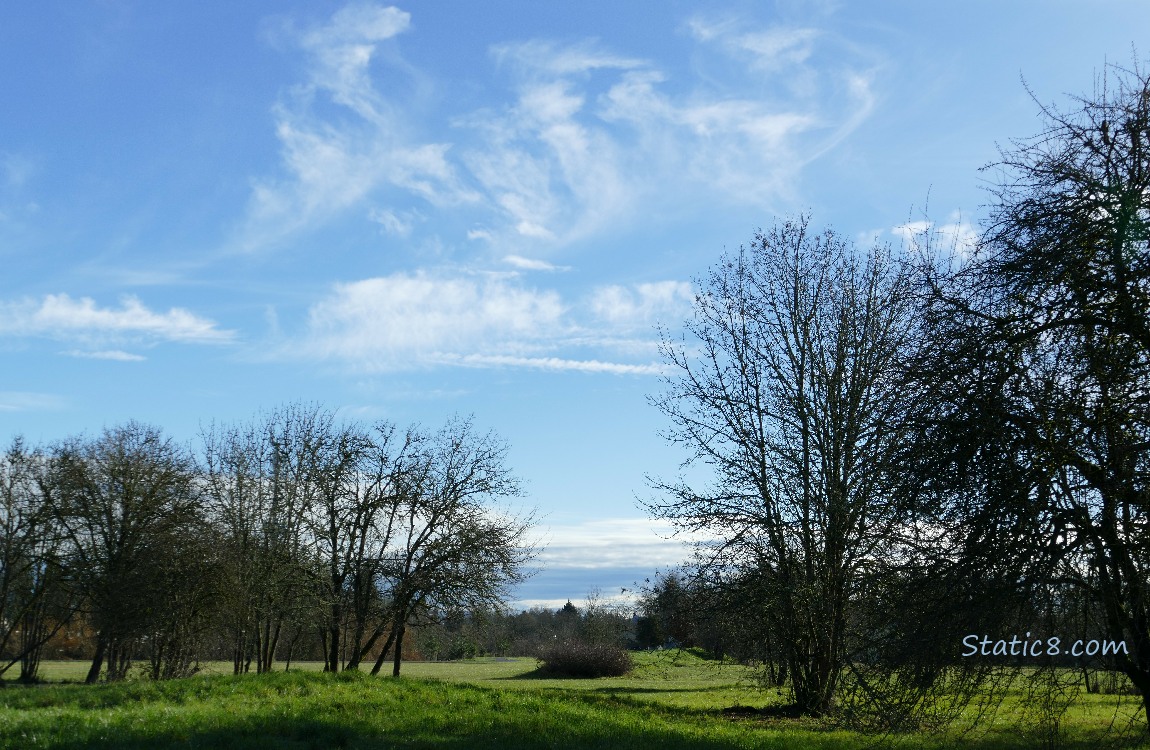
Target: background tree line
908, 447
290, 534
465, 634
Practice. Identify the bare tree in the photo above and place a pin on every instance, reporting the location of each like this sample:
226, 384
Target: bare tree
789, 390
119, 500
1041, 369
451, 548
189, 596
351, 533
358, 475
259, 479
35, 598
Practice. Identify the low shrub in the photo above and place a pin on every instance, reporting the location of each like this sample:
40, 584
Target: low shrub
576, 659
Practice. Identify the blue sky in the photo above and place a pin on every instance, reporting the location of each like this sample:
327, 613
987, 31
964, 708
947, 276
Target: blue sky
208, 208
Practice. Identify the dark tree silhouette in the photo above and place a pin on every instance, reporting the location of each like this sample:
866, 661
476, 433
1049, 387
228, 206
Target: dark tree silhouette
789, 388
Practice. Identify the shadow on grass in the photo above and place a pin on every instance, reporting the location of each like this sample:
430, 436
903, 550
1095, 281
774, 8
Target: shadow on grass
296, 734
539, 673
611, 689
542, 673
355, 711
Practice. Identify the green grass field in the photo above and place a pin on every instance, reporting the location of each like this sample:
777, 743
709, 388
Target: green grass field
671, 700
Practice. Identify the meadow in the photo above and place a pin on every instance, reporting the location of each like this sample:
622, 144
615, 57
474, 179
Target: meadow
671, 700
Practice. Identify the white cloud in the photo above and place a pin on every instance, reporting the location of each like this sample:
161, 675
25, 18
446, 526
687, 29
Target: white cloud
331, 170
29, 401
342, 51
912, 230
532, 264
60, 316
412, 321
331, 164
768, 49
554, 363
542, 57
955, 236
643, 305
616, 543
781, 47
406, 320
542, 165
399, 225
584, 139
748, 149
111, 354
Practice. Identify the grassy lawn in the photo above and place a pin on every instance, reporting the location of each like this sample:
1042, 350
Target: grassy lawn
672, 700
670, 678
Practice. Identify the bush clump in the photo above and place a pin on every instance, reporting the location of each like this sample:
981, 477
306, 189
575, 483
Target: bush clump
576, 659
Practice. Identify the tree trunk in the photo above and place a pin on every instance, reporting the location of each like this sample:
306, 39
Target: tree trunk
355, 641
383, 654
97, 661
398, 649
332, 643
362, 651
238, 657
275, 642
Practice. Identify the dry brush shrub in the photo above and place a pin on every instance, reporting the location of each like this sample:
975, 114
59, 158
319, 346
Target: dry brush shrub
577, 659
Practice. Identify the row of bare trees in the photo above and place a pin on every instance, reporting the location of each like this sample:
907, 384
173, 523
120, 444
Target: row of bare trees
289, 529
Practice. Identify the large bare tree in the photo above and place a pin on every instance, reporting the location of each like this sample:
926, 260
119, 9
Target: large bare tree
452, 548
788, 388
1041, 369
121, 499
257, 489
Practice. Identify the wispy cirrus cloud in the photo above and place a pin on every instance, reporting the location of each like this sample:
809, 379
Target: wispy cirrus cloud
342, 51
331, 164
578, 139
532, 264
59, 316
643, 305
767, 50
114, 355
544, 57
591, 137
555, 364
30, 401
